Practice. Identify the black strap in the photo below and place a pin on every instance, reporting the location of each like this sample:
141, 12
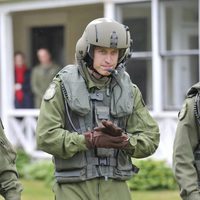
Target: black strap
66, 107
197, 107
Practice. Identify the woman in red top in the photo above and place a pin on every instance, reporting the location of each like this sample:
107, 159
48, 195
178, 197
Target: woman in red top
23, 94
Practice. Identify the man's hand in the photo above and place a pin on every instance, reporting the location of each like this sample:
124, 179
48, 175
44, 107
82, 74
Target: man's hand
98, 139
109, 128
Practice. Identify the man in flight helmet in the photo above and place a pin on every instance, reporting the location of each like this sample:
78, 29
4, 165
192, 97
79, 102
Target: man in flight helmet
93, 118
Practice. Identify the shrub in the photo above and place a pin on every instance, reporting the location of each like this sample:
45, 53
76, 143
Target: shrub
23, 159
153, 175
40, 170
37, 170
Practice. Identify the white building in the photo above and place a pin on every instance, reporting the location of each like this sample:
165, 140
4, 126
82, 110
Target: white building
164, 64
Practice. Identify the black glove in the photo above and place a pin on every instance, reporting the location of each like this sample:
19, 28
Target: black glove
109, 128
98, 139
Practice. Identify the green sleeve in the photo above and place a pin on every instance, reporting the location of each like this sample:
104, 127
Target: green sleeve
34, 83
51, 135
185, 142
10, 187
142, 128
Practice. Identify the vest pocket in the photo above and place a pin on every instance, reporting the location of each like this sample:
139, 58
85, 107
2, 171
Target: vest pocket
105, 152
78, 161
124, 168
70, 176
123, 161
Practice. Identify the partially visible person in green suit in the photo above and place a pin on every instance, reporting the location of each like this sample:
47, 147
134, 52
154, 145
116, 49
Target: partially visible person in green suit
186, 152
42, 75
10, 187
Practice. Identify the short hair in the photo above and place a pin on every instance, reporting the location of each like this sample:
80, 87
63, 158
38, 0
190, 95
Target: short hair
43, 48
19, 53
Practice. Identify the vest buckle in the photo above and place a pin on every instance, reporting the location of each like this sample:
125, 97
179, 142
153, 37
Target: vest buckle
104, 161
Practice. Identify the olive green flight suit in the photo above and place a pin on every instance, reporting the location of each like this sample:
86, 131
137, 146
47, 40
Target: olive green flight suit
186, 141
54, 139
10, 188
40, 79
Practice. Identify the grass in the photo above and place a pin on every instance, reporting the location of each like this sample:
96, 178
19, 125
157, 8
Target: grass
35, 190
38, 190
155, 195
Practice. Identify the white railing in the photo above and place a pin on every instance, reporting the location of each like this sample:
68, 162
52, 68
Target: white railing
167, 133
22, 127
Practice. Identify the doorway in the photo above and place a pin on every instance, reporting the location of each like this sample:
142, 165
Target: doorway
52, 38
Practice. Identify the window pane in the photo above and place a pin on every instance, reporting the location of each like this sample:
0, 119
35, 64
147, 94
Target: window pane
179, 74
179, 25
138, 17
140, 72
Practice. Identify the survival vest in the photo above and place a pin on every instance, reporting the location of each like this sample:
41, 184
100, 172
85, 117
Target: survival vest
85, 111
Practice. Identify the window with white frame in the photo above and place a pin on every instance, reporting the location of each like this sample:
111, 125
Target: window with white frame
179, 44
178, 47
138, 17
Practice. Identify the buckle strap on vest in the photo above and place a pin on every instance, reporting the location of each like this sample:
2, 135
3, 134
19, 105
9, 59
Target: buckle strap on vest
105, 161
96, 96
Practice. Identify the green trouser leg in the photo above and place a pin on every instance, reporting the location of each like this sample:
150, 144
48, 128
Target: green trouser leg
96, 189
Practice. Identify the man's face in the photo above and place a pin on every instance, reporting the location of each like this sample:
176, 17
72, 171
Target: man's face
44, 57
105, 59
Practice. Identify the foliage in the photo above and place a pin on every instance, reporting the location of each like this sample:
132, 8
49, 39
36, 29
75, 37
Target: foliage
153, 175
23, 159
34, 170
40, 170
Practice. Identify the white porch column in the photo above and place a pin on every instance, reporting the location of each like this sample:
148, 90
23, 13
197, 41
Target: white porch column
6, 66
109, 9
156, 59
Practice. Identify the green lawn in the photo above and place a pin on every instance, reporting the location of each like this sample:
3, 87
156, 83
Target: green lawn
152, 195
38, 190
